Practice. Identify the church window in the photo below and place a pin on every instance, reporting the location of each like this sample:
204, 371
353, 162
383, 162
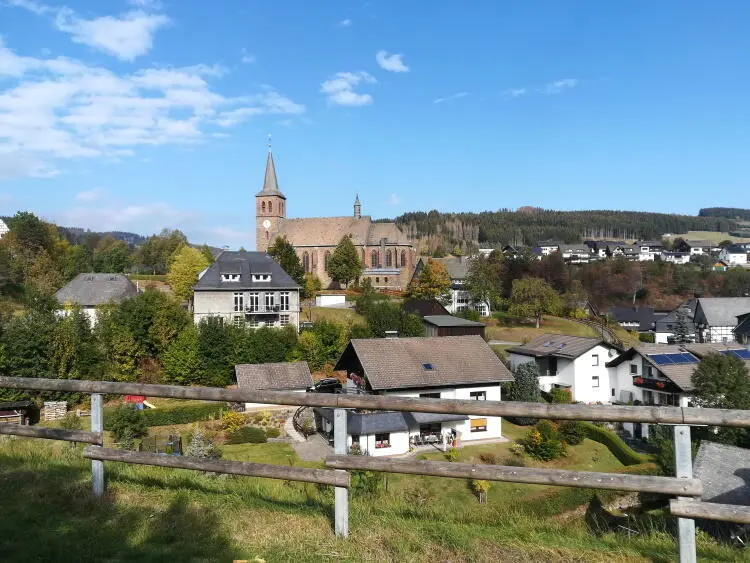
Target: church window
306, 262
270, 206
388, 259
403, 258
326, 258
363, 257
281, 208
374, 257
263, 206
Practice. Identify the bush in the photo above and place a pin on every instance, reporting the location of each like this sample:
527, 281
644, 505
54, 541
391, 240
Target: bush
367, 482
480, 488
247, 435
176, 415
232, 421
71, 421
514, 461
647, 337
561, 396
619, 449
201, 446
543, 442
488, 458
571, 432
127, 425
452, 454
525, 388
273, 432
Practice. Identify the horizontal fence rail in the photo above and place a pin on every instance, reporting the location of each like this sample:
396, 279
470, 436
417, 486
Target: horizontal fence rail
533, 475
710, 511
604, 413
51, 433
285, 472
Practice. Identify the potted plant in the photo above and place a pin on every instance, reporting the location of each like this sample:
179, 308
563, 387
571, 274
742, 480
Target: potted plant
661, 384
638, 380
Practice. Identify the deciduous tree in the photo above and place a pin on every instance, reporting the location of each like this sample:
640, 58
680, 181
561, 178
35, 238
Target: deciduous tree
344, 265
533, 297
184, 270
433, 282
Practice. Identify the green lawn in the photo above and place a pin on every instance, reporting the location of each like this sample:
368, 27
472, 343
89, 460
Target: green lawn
342, 316
526, 332
160, 514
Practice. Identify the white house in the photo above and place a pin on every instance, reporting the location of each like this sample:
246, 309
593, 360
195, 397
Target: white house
450, 367
458, 270
696, 247
249, 289
89, 291
548, 247
4, 230
577, 253
287, 376
664, 327
734, 255
716, 317
649, 250
676, 257
570, 362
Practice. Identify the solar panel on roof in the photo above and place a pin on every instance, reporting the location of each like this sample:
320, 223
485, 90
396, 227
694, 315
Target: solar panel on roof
661, 359
742, 354
684, 358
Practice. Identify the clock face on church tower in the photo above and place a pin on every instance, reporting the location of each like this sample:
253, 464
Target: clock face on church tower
266, 224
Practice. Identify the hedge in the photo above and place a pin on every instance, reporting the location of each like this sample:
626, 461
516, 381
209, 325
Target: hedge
247, 434
175, 415
624, 453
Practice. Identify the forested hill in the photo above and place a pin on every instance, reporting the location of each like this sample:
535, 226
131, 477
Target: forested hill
529, 225
728, 212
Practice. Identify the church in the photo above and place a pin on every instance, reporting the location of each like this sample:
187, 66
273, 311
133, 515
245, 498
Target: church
387, 256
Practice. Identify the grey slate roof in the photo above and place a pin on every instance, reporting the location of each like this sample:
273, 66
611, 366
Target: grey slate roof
646, 317
278, 376
380, 422
679, 374
457, 266
449, 320
424, 307
725, 473
723, 311
245, 264
90, 290
687, 308
399, 363
559, 345
270, 184
736, 249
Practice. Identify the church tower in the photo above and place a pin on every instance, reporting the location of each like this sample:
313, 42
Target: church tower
270, 208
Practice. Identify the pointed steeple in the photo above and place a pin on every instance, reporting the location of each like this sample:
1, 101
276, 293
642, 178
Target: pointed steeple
357, 208
270, 184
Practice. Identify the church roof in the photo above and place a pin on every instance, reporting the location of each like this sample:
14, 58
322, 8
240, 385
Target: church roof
328, 231
270, 184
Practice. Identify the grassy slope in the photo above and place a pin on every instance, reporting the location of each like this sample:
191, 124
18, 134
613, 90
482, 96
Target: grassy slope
714, 236
158, 514
524, 333
343, 316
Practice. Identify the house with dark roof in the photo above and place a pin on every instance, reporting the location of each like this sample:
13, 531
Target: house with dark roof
424, 307
734, 255
569, 362
451, 367
458, 270
577, 253
249, 289
664, 326
695, 247
638, 319
448, 325
716, 317
90, 291
649, 250
742, 330
284, 376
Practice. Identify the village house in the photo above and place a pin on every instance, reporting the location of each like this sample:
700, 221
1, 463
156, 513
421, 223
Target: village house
638, 319
387, 256
284, 376
458, 270
696, 247
452, 367
649, 250
546, 247
577, 253
734, 255
664, 327
90, 291
569, 362
716, 317
4, 230
448, 325
249, 289
742, 330
676, 257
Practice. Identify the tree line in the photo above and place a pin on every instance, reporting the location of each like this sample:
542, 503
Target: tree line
734, 213
527, 226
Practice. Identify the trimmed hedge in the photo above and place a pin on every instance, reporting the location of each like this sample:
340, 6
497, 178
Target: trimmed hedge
247, 435
175, 415
624, 453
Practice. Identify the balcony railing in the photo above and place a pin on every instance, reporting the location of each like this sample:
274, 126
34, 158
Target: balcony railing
654, 384
264, 309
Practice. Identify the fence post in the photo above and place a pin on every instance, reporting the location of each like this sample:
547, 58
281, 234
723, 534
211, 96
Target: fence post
97, 425
341, 514
684, 470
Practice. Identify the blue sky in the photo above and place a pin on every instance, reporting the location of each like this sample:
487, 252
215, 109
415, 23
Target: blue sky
138, 115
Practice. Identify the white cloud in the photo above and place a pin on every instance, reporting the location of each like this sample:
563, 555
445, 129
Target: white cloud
247, 58
140, 218
391, 63
345, 23
90, 195
559, 86
60, 108
514, 92
148, 4
340, 88
456, 96
394, 200
126, 37
30, 5
225, 236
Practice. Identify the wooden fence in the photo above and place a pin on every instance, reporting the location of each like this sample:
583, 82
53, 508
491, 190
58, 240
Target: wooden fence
685, 506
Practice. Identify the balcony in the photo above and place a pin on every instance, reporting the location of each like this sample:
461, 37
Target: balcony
652, 384
264, 309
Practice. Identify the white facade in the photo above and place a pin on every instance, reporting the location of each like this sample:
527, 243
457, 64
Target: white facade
251, 406
4, 230
549, 249
90, 312
330, 300
676, 257
460, 300
733, 258
587, 376
248, 308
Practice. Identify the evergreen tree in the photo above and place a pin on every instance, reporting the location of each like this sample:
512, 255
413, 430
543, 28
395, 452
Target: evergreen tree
181, 362
283, 252
525, 388
344, 265
681, 330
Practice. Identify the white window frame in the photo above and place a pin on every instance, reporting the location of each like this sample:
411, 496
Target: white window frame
270, 300
284, 300
253, 301
383, 444
239, 321
478, 395
230, 277
595, 381
284, 320
239, 301
594, 360
633, 369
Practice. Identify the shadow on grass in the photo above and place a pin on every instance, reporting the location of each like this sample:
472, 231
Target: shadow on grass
49, 515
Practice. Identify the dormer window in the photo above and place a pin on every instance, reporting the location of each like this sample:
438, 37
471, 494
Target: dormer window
261, 277
428, 367
230, 277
